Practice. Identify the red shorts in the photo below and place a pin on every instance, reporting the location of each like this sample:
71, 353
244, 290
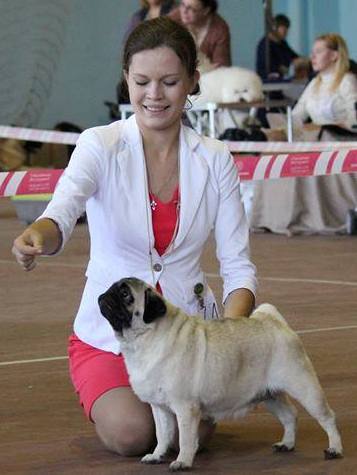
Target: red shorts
94, 372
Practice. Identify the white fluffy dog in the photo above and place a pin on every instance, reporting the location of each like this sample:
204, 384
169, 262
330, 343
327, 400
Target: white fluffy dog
227, 85
230, 84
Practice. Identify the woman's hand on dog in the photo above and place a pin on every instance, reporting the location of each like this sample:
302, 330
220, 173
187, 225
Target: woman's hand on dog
239, 303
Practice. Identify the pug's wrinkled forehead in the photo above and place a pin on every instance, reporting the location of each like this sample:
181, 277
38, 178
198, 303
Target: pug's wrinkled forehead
135, 291
136, 285
146, 297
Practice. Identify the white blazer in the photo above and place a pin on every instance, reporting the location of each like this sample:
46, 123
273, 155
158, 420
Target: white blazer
106, 177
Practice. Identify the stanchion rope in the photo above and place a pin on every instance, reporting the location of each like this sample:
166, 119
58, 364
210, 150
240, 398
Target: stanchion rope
300, 159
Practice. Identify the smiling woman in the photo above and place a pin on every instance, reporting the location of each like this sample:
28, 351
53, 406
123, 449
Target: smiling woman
153, 190
149, 10
160, 69
158, 87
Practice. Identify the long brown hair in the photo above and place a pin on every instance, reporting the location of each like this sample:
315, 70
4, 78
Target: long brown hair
335, 42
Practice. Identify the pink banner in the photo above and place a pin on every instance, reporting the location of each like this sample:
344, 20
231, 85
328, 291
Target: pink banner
255, 167
29, 183
37, 182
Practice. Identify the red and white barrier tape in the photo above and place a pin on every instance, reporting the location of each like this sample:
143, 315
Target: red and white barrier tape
292, 165
286, 147
52, 136
252, 167
36, 135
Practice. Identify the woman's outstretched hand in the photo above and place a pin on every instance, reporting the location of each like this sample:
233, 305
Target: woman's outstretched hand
27, 247
42, 237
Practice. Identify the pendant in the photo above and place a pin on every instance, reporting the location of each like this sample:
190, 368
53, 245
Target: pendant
153, 204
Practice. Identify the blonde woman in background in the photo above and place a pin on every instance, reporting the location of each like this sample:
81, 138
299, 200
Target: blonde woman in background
331, 96
315, 204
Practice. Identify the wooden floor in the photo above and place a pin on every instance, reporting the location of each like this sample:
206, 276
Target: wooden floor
312, 280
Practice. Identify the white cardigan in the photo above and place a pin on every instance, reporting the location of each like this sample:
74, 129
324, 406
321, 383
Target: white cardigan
326, 107
107, 176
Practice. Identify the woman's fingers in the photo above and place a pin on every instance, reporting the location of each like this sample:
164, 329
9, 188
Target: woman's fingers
25, 249
30, 242
27, 262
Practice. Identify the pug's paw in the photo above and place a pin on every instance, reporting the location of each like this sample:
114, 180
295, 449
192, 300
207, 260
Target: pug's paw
281, 447
178, 466
332, 454
152, 459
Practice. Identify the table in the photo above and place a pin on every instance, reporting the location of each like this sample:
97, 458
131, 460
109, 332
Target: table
212, 107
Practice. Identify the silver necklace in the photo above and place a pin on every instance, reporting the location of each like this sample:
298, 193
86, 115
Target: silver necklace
153, 202
149, 221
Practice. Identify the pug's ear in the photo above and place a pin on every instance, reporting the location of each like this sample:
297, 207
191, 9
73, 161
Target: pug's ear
154, 306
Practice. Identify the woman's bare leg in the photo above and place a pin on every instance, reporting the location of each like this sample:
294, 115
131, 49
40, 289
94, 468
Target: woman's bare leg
124, 423
126, 426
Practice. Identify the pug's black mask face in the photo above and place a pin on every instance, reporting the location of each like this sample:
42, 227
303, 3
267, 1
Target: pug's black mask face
154, 306
116, 306
131, 303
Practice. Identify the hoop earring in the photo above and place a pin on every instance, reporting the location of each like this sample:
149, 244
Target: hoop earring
188, 105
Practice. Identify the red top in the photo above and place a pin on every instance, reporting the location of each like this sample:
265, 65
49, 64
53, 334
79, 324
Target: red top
164, 220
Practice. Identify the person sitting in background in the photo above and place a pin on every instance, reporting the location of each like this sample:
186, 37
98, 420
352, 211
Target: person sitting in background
281, 58
149, 9
281, 55
315, 204
209, 30
331, 96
